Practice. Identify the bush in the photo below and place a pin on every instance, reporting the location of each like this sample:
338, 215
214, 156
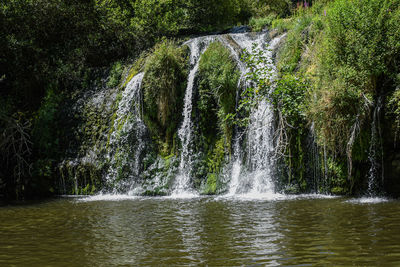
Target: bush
164, 86
356, 64
218, 81
115, 74
258, 24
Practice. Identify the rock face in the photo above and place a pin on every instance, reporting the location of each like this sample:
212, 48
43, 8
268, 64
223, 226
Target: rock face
240, 29
391, 158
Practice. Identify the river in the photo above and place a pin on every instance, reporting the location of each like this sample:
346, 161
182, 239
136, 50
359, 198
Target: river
214, 231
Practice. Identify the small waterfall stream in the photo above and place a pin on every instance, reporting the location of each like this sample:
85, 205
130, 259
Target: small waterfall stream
259, 133
375, 152
182, 182
128, 124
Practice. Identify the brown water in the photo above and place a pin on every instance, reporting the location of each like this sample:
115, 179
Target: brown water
201, 231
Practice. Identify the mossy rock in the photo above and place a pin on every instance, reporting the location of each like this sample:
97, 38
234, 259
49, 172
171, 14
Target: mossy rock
164, 86
218, 80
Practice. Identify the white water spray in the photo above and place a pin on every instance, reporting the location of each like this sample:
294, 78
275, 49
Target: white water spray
182, 185
258, 179
128, 119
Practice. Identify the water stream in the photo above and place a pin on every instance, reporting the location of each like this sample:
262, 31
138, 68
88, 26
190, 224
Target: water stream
185, 133
258, 179
375, 153
128, 129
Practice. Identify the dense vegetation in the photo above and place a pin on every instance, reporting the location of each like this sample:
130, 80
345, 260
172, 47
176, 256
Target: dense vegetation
339, 82
218, 78
337, 94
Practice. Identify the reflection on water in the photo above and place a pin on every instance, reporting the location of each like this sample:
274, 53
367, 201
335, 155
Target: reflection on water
115, 230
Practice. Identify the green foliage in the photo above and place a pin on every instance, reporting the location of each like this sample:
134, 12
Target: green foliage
168, 18
258, 24
262, 8
81, 179
394, 106
45, 132
355, 65
289, 97
346, 51
297, 37
338, 183
164, 86
208, 15
115, 74
214, 162
260, 80
136, 67
211, 184
158, 18
217, 85
218, 79
216, 158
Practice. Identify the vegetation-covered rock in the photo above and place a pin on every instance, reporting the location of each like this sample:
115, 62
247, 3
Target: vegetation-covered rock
349, 62
164, 86
217, 87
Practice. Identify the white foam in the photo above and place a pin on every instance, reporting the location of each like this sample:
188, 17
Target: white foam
107, 197
367, 200
183, 195
273, 196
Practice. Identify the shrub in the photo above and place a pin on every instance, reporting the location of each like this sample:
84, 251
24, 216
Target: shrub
164, 86
218, 81
258, 24
355, 65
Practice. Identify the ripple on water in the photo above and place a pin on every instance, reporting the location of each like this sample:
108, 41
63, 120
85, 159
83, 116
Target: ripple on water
273, 197
208, 231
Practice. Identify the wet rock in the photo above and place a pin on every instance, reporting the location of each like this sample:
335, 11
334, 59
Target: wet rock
240, 29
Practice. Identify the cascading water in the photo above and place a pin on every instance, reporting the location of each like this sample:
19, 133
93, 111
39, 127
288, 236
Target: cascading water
258, 179
375, 152
133, 167
182, 182
129, 131
260, 141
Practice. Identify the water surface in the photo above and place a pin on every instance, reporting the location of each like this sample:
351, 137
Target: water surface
109, 231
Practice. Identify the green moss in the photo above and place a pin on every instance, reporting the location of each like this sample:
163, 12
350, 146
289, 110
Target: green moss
215, 161
80, 179
218, 79
164, 86
338, 176
216, 158
211, 184
135, 68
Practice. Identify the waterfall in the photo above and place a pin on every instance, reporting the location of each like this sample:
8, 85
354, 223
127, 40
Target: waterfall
127, 140
375, 152
260, 160
259, 132
182, 182
132, 167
